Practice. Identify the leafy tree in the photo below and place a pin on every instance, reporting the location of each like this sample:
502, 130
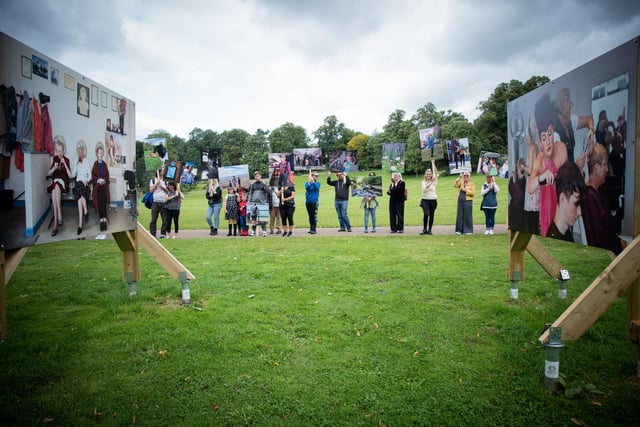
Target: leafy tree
491, 125
141, 167
287, 137
198, 140
358, 144
233, 144
333, 135
257, 151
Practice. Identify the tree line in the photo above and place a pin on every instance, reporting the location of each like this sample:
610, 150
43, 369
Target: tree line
487, 133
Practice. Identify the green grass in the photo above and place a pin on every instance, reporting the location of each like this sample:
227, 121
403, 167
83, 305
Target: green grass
311, 331
194, 207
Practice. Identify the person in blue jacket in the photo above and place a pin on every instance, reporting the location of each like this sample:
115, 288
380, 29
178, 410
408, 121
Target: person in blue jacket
312, 197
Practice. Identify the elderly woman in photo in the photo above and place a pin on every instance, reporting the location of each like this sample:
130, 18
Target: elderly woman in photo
60, 172
100, 177
82, 191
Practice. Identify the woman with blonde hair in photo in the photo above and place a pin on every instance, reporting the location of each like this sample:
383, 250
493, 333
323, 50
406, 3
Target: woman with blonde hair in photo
60, 172
82, 190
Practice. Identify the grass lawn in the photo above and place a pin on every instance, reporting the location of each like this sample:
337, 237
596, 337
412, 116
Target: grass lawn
326, 331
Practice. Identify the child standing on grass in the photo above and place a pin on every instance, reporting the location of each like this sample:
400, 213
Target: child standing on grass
369, 203
172, 206
231, 211
242, 214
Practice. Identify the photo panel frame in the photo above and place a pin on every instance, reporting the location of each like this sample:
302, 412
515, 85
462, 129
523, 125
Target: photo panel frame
95, 95
27, 71
69, 81
83, 104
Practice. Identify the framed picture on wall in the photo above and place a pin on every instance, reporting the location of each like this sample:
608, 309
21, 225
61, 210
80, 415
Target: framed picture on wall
83, 100
54, 75
26, 67
40, 67
94, 95
69, 82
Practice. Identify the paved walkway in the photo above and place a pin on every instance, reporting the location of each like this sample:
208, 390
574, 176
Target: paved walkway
357, 231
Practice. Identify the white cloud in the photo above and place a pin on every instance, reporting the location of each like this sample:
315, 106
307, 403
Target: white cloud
260, 63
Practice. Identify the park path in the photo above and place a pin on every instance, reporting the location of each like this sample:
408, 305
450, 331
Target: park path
357, 231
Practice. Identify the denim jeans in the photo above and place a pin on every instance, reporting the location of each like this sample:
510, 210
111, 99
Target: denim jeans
367, 212
343, 218
215, 211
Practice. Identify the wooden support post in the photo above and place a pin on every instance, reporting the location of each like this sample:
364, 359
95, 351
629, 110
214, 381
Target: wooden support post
544, 257
159, 253
128, 244
602, 292
518, 242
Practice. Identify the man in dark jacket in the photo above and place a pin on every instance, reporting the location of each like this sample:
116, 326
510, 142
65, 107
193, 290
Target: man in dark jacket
341, 185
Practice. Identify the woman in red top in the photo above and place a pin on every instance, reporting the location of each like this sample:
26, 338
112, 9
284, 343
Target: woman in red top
60, 172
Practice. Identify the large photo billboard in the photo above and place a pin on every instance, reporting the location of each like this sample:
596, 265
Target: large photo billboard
570, 144
67, 152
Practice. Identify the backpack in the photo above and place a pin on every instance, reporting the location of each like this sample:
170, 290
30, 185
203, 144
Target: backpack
147, 199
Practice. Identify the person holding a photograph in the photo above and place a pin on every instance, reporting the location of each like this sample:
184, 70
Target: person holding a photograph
59, 172
172, 206
396, 203
489, 204
214, 200
259, 194
312, 197
429, 200
101, 194
369, 203
287, 194
341, 186
466, 191
82, 190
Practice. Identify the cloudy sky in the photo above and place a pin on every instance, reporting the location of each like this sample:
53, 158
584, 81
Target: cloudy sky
257, 64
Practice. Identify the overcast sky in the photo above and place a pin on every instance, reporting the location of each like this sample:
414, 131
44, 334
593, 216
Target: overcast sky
257, 64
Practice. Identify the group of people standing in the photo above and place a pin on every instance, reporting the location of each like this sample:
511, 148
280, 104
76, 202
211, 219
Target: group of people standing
167, 200
240, 205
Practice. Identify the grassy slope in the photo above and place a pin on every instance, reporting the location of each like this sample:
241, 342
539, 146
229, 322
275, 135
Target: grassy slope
323, 331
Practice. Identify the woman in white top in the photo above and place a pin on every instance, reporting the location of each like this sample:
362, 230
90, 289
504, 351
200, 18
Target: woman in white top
82, 189
429, 200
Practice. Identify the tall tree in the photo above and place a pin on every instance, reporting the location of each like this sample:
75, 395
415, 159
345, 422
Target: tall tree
491, 125
358, 144
287, 137
333, 135
257, 151
233, 144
